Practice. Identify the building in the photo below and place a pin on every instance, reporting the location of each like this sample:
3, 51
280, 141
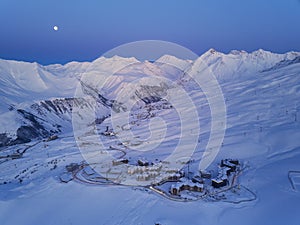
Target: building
72, 167
175, 190
204, 174
234, 161
143, 177
119, 162
66, 177
230, 163
175, 176
108, 132
186, 185
52, 138
143, 162
222, 178
225, 171
88, 171
146, 176
141, 170
219, 182
197, 179
136, 169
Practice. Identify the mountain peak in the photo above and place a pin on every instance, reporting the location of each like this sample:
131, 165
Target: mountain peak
174, 61
261, 52
212, 51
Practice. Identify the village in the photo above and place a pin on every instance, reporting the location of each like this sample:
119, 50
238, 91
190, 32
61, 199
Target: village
220, 184
184, 185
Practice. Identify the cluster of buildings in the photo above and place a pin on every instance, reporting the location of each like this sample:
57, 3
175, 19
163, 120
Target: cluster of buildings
227, 167
142, 170
196, 184
186, 184
179, 180
145, 170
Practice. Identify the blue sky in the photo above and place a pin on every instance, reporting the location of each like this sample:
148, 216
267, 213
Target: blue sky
88, 28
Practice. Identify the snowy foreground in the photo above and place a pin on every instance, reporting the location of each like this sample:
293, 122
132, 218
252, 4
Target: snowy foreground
261, 92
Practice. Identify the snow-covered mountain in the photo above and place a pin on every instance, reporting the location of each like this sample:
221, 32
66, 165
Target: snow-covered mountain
35, 89
43, 92
261, 92
240, 63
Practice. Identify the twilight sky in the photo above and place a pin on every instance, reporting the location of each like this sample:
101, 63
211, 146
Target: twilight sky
89, 28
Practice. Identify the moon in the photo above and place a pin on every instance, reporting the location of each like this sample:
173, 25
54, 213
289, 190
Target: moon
55, 28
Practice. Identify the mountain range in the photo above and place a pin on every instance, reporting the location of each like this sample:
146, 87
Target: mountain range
37, 100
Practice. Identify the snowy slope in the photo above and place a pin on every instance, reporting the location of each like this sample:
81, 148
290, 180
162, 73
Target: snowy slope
22, 85
261, 92
241, 63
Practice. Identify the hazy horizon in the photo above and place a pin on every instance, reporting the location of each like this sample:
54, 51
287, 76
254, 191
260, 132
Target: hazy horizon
86, 30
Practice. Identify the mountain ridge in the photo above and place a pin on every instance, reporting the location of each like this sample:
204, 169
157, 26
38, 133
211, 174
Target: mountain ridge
23, 84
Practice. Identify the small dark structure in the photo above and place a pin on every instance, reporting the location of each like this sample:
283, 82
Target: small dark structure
197, 179
142, 162
231, 164
108, 132
65, 178
225, 170
119, 162
234, 161
174, 190
72, 167
52, 138
217, 183
188, 185
205, 174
